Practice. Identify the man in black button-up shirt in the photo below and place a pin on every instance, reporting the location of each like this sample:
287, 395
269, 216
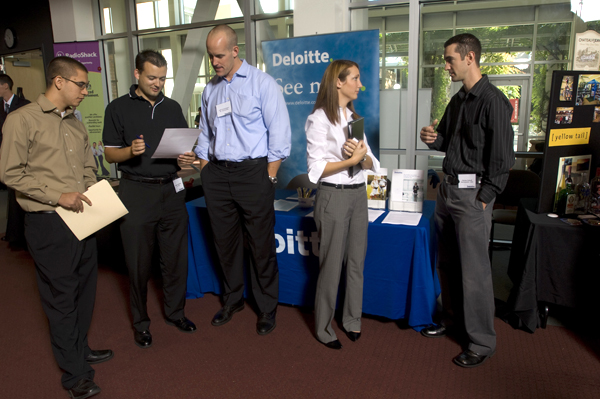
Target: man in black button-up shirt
477, 137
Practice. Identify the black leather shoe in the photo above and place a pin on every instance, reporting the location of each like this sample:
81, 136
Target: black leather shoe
266, 323
84, 388
434, 331
100, 356
183, 325
334, 344
226, 313
143, 339
470, 359
354, 336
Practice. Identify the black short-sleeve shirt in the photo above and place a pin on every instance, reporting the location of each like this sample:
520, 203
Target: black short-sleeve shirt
130, 116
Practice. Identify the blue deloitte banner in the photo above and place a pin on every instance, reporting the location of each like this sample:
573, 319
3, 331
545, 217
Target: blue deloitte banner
298, 65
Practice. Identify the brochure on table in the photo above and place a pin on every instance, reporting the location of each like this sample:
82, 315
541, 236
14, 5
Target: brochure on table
377, 189
407, 193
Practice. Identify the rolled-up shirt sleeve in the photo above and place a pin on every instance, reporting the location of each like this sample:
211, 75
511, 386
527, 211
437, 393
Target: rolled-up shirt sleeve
316, 147
277, 121
201, 149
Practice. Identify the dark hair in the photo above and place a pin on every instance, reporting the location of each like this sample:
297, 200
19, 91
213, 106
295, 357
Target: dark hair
466, 42
5, 79
63, 66
151, 56
328, 98
20, 93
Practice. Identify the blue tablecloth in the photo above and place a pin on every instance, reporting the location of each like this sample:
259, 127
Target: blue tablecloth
400, 277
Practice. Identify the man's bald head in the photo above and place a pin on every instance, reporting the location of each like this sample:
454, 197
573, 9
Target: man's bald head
225, 32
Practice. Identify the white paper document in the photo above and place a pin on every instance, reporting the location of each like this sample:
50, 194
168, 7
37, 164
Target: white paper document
175, 142
106, 208
374, 214
406, 218
283, 205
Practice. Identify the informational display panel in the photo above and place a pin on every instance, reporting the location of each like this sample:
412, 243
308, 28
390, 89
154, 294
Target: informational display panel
573, 130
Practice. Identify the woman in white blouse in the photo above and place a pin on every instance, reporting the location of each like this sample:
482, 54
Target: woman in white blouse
335, 162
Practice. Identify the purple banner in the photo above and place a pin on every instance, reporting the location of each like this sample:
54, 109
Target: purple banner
85, 52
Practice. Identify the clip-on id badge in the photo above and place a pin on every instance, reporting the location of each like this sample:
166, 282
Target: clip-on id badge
224, 109
467, 180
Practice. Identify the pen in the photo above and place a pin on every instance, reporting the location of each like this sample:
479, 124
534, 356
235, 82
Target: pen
144, 141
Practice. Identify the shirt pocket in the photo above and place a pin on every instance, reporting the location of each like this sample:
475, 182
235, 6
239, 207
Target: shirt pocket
246, 107
473, 135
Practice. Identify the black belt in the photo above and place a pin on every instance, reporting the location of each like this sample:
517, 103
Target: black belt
344, 186
42, 212
245, 162
454, 179
151, 180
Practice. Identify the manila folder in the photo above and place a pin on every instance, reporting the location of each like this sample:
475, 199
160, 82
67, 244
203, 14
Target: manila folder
106, 208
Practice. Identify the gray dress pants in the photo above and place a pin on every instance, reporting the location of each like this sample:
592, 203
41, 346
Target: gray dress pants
463, 229
342, 221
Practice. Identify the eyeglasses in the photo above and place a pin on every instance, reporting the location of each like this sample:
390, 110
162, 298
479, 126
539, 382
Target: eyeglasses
82, 85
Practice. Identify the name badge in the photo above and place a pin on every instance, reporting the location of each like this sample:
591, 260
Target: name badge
467, 181
178, 183
224, 109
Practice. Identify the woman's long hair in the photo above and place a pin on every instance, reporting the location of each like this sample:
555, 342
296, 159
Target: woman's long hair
328, 98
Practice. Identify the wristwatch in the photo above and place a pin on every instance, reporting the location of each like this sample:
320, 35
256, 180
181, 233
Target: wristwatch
273, 179
364, 159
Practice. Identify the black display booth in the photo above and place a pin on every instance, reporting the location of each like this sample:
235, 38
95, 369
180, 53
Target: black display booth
574, 107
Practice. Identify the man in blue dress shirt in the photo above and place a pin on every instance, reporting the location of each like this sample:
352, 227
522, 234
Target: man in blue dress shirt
245, 135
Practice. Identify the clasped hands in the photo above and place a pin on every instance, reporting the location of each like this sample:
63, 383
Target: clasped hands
355, 150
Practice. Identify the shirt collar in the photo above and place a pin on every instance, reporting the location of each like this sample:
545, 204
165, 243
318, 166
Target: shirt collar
48, 106
477, 88
242, 72
134, 95
9, 102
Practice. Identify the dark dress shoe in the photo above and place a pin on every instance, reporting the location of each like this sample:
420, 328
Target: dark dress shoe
227, 312
470, 359
334, 344
183, 325
354, 336
143, 339
100, 356
434, 331
84, 388
266, 323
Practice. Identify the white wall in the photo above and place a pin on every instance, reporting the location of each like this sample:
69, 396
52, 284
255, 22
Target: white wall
72, 20
313, 17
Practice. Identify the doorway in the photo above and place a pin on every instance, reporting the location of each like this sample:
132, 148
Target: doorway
27, 71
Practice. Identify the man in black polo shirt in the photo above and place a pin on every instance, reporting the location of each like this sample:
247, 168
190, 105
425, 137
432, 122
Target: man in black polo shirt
477, 137
149, 188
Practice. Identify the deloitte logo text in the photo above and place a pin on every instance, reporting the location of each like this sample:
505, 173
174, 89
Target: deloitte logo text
301, 239
298, 59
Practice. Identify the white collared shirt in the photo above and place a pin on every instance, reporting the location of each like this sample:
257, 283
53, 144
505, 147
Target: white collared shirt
9, 102
324, 143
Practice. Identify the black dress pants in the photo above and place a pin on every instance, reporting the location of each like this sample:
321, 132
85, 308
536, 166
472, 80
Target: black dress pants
239, 200
15, 221
157, 215
67, 272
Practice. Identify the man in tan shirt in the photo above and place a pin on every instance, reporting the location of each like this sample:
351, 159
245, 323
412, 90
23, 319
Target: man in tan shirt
46, 158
